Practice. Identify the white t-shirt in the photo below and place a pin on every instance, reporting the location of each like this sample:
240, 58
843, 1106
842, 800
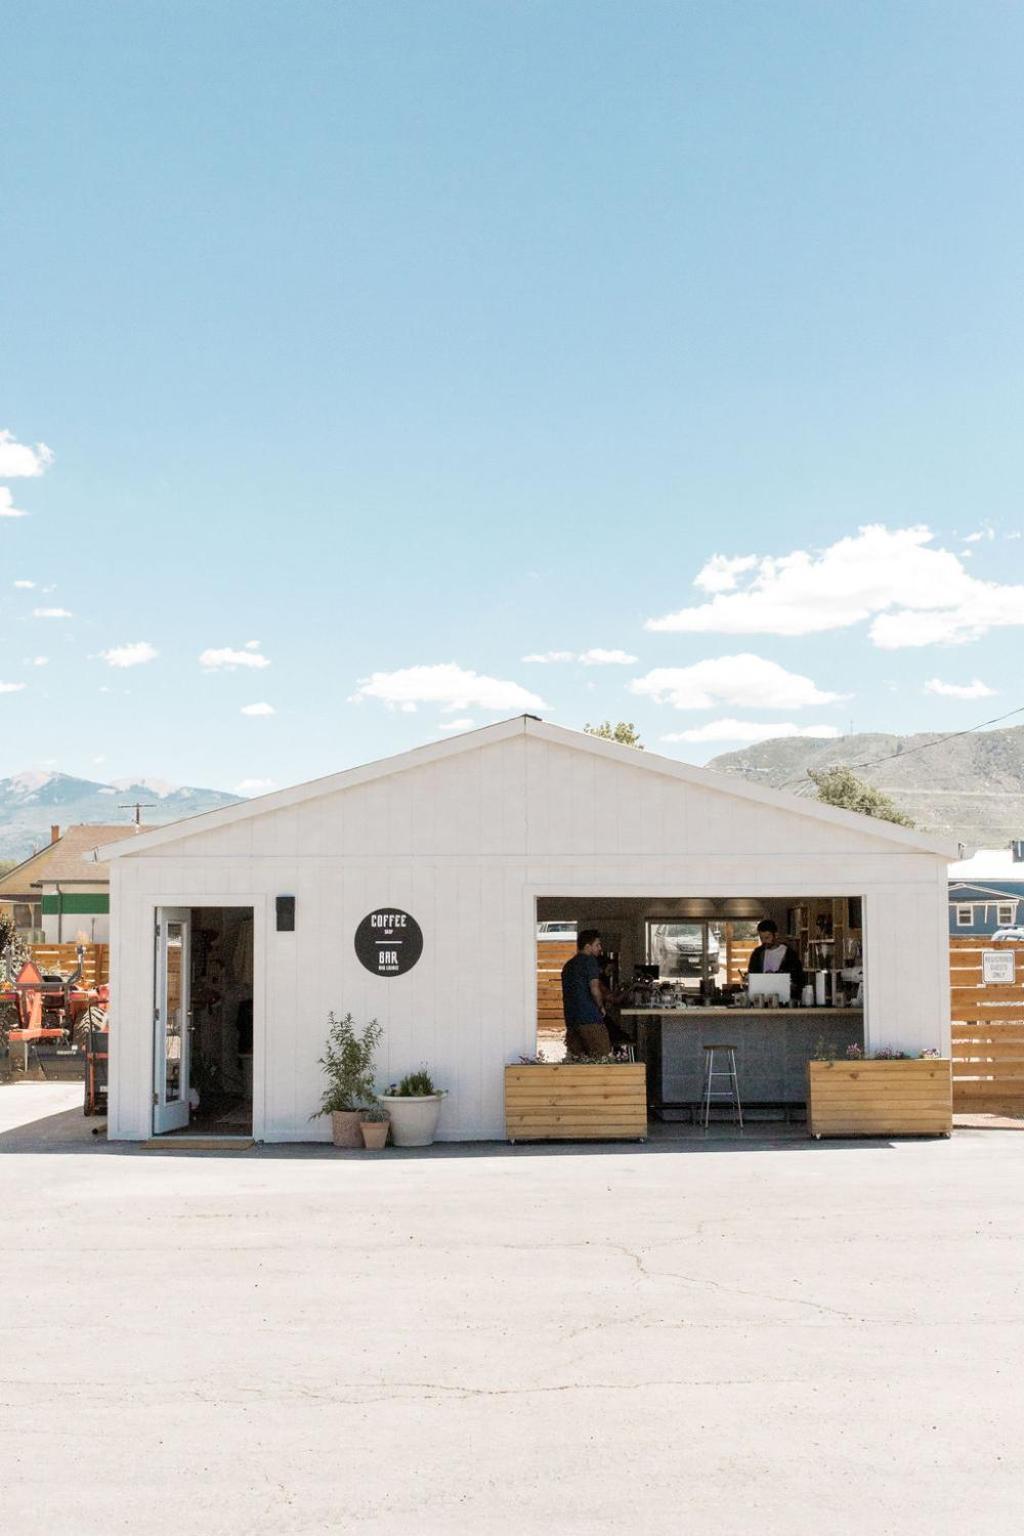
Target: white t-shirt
773, 959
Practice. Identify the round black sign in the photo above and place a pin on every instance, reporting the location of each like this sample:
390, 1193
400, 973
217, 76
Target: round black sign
389, 942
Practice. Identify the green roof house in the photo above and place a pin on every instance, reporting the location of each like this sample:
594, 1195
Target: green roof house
55, 894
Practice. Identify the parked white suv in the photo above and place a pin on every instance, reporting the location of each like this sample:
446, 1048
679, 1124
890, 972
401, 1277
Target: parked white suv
563, 932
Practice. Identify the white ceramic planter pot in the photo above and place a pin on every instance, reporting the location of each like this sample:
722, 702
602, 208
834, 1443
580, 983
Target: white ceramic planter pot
345, 1128
413, 1120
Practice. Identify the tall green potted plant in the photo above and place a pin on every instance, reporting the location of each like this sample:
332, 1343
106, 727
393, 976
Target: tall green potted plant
348, 1066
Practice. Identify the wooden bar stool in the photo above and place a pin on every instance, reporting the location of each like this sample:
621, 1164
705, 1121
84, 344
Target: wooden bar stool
731, 1091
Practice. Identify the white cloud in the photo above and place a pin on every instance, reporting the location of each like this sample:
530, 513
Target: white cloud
20, 460
257, 709
37, 661
914, 595
751, 730
25, 586
252, 645
600, 658
744, 681
720, 572
7, 507
227, 659
135, 654
975, 690
451, 686
254, 786
595, 657
11, 687
457, 725
51, 613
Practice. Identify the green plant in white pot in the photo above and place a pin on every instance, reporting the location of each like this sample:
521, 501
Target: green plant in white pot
414, 1106
348, 1066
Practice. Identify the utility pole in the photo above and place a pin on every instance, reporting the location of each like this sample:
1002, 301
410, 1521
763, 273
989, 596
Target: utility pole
138, 807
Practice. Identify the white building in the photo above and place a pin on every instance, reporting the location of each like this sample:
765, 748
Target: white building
474, 839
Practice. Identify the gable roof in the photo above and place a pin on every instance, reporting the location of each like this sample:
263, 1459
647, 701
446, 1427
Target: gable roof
557, 735
959, 887
62, 859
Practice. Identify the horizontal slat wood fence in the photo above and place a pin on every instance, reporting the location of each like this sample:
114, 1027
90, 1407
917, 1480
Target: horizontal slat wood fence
737, 954
987, 1031
551, 956
63, 958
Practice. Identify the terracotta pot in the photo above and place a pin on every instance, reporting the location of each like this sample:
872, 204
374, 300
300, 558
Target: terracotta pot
345, 1130
375, 1134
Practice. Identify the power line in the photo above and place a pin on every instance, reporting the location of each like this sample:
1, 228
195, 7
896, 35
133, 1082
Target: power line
939, 741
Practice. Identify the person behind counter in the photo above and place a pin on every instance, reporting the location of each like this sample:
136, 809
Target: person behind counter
586, 1033
611, 1002
776, 958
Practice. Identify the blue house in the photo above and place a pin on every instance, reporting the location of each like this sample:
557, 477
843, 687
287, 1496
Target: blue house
986, 892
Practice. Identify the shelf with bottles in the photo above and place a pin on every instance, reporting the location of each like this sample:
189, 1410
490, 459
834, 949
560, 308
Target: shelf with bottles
828, 932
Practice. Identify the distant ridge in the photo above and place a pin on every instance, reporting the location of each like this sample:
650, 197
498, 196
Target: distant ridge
971, 788
32, 802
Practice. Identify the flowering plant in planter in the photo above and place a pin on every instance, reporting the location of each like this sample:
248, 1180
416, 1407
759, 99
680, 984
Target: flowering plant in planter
414, 1085
611, 1059
887, 1092
414, 1105
579, 1098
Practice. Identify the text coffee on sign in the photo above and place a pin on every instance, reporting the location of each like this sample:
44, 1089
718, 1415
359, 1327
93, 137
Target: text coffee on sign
389, 942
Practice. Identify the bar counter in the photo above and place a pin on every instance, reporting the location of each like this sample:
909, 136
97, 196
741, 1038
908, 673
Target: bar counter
773, 1047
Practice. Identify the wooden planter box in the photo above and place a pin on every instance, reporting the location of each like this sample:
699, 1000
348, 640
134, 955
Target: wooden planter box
604, 1102
879, 1098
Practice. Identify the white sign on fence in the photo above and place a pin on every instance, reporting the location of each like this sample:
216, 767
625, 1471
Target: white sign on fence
998, 968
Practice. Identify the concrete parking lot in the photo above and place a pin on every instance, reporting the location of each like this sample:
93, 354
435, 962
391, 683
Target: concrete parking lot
723, 1337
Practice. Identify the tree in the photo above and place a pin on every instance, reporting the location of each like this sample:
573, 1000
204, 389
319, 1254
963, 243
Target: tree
841, 787
624, 732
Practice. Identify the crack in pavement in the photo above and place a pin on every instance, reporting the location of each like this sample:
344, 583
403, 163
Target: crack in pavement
733, 1290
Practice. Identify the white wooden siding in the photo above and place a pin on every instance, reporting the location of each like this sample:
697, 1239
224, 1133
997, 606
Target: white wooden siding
467, 844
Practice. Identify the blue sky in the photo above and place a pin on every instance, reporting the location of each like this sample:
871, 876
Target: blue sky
401, 337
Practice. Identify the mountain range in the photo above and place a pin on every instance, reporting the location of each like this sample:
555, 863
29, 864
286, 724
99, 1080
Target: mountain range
970, 787
32, 802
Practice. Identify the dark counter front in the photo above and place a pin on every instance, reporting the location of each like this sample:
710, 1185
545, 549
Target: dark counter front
773, 1047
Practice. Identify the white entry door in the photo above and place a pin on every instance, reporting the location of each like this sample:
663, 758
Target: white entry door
172, 1018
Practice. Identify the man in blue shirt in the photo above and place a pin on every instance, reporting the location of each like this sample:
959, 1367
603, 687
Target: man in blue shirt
586, 1033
